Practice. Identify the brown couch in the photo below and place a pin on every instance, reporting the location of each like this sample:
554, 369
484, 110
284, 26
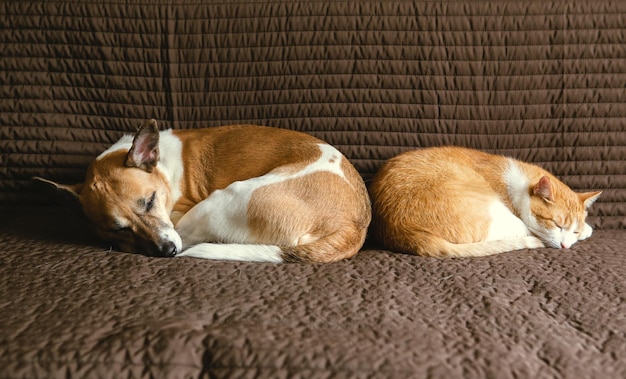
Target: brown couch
543, 81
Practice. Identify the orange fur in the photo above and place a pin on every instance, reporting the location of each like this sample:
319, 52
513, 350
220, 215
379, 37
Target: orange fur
292, 197
108, 186
438, 202
262, 149
326, 237
289, 208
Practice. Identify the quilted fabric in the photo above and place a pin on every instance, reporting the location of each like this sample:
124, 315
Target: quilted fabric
539, 80
544, 81
70, 307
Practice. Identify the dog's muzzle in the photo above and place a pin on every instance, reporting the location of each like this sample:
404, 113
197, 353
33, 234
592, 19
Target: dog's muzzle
169, 244
168, 249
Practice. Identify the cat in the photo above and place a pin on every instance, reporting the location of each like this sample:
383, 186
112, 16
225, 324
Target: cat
459, 202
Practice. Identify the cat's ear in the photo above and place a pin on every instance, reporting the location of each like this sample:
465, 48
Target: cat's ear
589, 198
543, 190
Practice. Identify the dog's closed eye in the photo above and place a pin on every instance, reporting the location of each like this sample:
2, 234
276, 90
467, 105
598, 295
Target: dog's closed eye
150, 202
147, 203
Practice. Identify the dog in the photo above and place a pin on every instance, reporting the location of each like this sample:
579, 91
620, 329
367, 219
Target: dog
241, 192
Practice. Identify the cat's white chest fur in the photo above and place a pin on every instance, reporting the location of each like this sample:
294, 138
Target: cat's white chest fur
517, 187
504, 224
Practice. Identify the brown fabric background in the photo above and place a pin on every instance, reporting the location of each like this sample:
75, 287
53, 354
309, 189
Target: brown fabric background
544, 81
71, 308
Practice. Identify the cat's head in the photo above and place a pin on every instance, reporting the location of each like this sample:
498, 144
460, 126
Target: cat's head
559, 213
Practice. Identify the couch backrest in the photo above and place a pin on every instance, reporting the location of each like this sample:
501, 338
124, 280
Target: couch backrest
544, 81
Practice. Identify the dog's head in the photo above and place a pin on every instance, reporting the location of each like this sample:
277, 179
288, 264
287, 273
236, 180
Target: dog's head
127, 198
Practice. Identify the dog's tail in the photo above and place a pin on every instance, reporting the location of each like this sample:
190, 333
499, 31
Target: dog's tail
342, 244
334, 247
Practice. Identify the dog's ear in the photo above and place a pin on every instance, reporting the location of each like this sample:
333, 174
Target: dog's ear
67, 195
144, 153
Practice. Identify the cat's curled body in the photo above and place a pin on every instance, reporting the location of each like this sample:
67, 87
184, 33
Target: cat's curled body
458, 202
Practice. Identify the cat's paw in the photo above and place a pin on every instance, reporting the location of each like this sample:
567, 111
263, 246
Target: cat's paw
533, 242
586, 233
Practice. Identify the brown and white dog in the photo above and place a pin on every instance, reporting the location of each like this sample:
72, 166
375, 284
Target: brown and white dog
240, 192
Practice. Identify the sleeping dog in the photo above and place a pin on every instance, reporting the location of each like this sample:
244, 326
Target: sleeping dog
239, 192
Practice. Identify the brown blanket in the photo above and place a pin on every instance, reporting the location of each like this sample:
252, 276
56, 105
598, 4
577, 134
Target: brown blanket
70, 307
543, 81
539, 80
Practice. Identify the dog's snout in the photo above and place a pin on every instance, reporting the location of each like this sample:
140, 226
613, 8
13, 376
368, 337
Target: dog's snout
168, 249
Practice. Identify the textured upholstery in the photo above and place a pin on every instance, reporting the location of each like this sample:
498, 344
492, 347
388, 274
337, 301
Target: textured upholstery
539, 80
543, 81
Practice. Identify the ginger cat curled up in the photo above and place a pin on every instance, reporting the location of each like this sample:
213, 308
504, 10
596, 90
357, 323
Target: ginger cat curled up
458, 202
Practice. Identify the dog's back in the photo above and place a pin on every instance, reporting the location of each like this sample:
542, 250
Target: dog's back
235, 192
303, 199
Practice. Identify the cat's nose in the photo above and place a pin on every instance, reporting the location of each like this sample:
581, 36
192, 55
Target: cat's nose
564, 245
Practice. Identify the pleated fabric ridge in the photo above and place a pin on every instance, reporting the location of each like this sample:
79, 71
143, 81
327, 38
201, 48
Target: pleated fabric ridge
542, 81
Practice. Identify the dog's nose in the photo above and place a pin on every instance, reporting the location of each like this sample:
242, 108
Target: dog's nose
168, 249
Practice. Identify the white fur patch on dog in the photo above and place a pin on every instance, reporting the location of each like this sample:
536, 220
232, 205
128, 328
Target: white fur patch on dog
236, 252
125, 143
223, 216
171, 161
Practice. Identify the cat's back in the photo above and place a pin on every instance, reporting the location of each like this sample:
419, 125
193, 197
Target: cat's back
444, 191
438, 166
452, 201
445, 156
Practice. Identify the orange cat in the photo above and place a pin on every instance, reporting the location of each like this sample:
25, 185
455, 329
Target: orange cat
457, 202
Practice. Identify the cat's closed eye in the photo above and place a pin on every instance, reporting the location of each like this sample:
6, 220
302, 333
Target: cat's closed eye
551, 222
